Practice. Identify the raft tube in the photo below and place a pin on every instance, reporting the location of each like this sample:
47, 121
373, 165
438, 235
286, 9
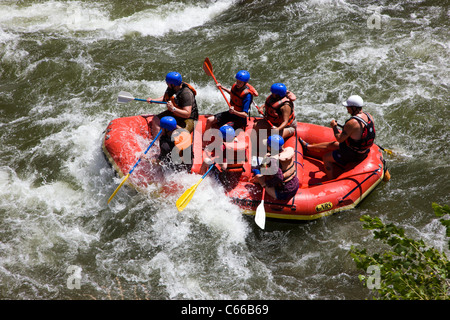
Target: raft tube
126, 138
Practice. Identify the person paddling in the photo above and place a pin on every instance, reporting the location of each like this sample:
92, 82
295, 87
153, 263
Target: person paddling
181, 105
241, 97
277, 174
279, 111
352, 143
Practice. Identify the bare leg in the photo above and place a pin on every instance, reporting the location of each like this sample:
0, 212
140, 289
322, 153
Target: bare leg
209, 122
329, 162
326, 150
287, 133
261, 180
323, 147
318, 150
271, 192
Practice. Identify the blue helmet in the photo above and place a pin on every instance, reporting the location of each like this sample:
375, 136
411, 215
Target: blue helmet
275, 142
174, 78
243, 75
278, 89
228, 133
168, 123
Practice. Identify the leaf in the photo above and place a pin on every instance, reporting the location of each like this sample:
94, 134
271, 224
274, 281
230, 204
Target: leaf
410, 269
439, 210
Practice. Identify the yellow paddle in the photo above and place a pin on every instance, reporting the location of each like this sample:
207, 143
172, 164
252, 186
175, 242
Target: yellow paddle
186, 197
132, 169
388, 151
169, 123
117, 189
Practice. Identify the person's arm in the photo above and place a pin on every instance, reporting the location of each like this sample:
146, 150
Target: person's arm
149, 100
168, 92
285, 113
184, 112
245, 107
223, 88
186, 101
349, 128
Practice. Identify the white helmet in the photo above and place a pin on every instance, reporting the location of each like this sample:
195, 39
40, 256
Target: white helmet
354, 101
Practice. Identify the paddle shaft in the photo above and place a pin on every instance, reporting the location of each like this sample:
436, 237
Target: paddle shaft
152, 101
257, 108
145, 152
132, 169
186, 197
208, 65
209, 169
125, 97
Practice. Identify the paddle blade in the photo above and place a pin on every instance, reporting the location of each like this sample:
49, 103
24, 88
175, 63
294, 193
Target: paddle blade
124, 97
207, 66
260, 216
186, 197
117, 189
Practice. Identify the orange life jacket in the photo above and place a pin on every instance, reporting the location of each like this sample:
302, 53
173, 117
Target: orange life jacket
237, 95
273, 112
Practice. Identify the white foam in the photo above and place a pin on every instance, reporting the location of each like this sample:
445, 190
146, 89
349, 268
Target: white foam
209, 99
77, 16
169, 18
210, 231
268, 37
9, 51
212, 208
6, 37
14, 188
362, 55
53, 16
41, 217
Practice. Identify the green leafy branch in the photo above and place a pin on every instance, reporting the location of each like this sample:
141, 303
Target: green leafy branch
410, 269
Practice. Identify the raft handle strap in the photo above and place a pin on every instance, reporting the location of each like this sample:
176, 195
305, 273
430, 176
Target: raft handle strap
359, 184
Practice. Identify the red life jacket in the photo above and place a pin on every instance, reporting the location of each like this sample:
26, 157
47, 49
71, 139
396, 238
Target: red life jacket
237, 95
367, 136
273, 112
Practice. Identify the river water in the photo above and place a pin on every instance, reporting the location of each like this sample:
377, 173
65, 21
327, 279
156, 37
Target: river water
62, 65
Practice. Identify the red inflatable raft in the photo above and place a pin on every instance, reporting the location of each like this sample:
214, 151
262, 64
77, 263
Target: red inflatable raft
126, 138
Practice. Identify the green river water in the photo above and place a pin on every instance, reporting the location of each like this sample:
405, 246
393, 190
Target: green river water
62, 65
